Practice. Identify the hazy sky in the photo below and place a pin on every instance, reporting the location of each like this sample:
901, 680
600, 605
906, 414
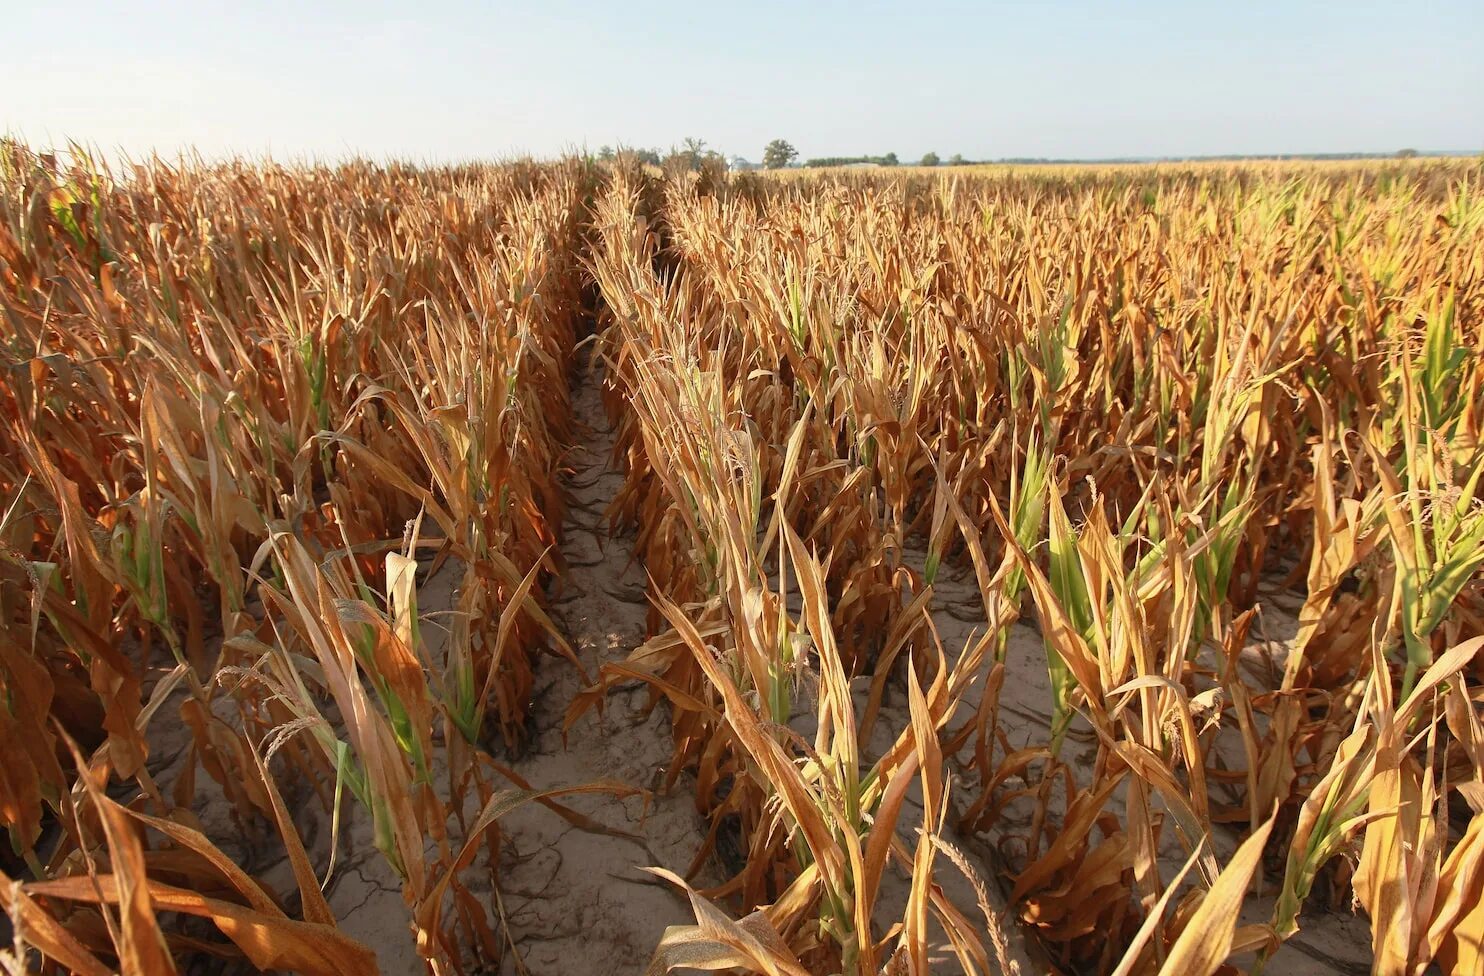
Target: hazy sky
447, 80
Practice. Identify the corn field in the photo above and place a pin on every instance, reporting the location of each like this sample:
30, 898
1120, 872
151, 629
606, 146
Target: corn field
1048, 571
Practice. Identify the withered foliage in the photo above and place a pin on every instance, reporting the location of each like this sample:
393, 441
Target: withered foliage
247, 409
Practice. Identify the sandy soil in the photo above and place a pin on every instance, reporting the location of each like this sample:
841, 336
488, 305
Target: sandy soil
576, 901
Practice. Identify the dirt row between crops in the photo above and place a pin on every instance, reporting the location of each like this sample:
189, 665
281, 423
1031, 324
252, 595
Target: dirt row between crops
577, 902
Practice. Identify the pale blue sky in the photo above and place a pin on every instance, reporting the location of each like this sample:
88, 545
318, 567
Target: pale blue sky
446, 80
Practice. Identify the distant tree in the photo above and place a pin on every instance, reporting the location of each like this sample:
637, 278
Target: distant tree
956, 159
890, 159
693, 152
930, 159
606, 153
739, 164
778, 154
1406, 154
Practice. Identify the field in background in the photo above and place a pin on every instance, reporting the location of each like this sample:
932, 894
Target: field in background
1068, 570
1209, 168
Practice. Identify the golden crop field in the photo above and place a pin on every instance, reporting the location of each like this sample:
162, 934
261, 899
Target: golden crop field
579, 567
